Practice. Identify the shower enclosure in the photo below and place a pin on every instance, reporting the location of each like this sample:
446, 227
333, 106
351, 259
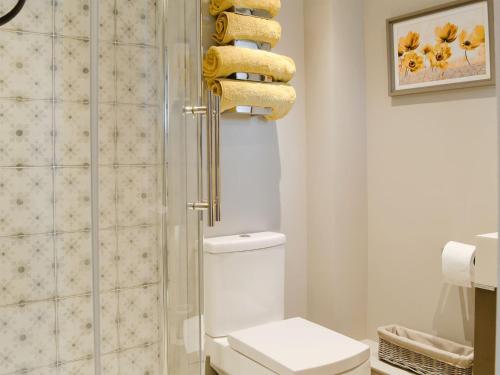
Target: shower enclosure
99, 254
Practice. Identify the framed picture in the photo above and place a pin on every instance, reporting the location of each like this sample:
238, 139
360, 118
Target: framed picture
450, 46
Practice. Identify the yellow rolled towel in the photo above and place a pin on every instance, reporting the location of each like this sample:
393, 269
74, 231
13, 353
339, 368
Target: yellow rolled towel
280, 97
271, 6
223, 61
231, 26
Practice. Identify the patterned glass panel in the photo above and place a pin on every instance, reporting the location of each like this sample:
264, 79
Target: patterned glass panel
47, 296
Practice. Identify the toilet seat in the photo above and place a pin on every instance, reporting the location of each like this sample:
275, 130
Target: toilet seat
289, 347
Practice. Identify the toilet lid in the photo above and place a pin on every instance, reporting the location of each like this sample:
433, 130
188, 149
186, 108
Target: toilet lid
297, 346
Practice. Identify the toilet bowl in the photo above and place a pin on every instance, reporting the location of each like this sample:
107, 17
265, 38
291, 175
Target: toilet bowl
246, 333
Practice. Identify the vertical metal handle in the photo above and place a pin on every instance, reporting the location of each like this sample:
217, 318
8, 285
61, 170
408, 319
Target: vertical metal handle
213, 159
210, 159
217, 142
213, 145
213, 142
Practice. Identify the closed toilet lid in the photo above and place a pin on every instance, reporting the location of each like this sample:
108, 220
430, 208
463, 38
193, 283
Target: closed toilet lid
297, 346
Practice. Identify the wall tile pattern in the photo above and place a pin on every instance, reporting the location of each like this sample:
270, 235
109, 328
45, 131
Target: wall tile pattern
46, 263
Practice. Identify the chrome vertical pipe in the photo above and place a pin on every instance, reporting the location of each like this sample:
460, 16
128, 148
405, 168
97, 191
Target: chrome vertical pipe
210, 159
217, 130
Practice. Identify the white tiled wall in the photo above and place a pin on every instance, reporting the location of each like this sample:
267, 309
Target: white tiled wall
46, 292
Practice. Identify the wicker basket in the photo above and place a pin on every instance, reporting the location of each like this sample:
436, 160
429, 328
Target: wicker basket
422, 353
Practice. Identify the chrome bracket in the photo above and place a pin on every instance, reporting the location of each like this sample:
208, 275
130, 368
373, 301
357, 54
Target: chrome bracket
198, 206
196, 110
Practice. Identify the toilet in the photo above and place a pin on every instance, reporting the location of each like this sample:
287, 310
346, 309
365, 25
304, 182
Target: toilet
246, 333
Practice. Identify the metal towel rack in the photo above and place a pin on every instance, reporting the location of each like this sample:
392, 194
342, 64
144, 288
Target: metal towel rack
213, 127
249, 110
9, 16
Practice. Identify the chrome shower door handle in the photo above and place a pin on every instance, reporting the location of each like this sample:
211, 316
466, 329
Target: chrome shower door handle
217, 158
213, 159
213, 146
210, 160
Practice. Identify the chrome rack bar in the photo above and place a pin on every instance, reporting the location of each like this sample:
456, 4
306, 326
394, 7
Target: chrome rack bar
210, 160
251, 12
249, 110
217, 129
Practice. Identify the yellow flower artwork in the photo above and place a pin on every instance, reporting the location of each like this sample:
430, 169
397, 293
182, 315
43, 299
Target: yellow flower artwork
412, 62
446, 33
438, 55
440, 47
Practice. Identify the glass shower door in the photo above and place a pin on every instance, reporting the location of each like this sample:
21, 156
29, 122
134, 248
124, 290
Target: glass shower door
129, 164
81, 188
183, 225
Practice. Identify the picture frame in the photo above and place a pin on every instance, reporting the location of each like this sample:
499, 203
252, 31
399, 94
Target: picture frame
446, 47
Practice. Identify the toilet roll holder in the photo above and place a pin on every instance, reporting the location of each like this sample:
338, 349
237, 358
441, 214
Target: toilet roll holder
484, 262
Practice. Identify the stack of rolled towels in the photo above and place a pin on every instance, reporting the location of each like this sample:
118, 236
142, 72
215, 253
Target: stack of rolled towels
225, 60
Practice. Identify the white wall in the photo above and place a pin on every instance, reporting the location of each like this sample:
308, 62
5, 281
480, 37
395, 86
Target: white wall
337, 274
390, 181
292, 138
264, 170
432, 177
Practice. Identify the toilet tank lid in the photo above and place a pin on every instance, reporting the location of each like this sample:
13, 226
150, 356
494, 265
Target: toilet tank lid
243, 242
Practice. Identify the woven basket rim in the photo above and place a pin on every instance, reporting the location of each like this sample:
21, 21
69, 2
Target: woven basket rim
392, 346
426, 349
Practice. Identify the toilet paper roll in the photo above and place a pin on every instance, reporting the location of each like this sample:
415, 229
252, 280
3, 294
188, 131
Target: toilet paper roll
458, 264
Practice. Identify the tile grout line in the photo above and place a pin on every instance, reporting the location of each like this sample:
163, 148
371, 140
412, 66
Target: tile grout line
77, 37
77, 166
25, 99
82, 359
77, 231
80, 295
94, 180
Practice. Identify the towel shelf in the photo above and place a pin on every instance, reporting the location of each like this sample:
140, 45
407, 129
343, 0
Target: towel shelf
248, 110
251, 12
251, 77
252, 111
252, 44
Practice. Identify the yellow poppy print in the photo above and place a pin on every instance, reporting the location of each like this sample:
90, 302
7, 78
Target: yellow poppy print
447, 33
413, 62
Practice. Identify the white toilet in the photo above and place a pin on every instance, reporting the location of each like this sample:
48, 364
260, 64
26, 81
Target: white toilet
246, 333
